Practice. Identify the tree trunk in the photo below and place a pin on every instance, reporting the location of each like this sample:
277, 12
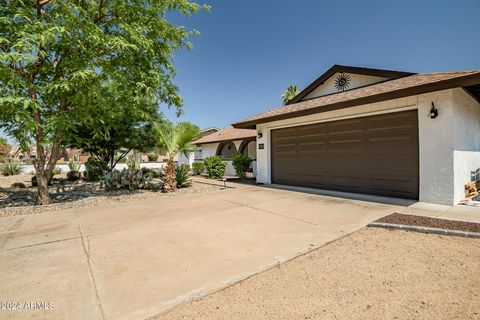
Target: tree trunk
44, 171
42, 188
170, 181
42, 179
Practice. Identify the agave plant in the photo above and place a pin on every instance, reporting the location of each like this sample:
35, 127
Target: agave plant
10, 168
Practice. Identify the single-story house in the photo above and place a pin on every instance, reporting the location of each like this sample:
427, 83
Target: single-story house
197, 155
226, 143
372, 131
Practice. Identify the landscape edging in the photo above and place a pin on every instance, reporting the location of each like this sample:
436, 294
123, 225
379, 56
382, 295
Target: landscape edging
439, 231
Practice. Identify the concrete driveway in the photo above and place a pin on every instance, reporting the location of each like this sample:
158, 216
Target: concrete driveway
132, 261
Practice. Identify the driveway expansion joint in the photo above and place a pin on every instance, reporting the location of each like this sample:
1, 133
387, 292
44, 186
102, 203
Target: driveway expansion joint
272, 212
86, 249
438, 231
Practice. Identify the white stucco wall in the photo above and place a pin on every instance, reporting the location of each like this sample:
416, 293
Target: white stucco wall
28, 168
466, 140
436, 148
188, 160
356, 80
210, 149
447, 144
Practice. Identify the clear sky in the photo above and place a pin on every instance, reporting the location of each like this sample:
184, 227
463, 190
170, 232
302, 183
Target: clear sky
249, 51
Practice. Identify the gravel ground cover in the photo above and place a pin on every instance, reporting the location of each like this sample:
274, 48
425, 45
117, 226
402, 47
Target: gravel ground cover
75, 194
412, 220
371, 274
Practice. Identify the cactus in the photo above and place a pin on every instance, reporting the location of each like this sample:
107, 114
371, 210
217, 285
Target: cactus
74, 163
133, 163
127, 179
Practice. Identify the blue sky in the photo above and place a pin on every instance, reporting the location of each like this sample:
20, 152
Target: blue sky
250, 51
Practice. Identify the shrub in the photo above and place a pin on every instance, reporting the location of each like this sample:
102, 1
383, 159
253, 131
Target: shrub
18, 185
73, 175
126, 179
198, 167
95, 169
241, 162
152, 157
215, 167
10, 168
56, 170
182, 176
74, 164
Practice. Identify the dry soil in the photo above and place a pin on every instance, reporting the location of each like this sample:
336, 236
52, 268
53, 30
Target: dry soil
372, 274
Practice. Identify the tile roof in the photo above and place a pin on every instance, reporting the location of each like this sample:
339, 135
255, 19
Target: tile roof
391, 89
227, 134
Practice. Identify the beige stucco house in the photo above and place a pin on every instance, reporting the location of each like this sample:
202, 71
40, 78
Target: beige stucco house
372, 131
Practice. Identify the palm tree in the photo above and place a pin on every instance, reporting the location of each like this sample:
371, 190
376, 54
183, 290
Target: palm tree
289, 94
176, 139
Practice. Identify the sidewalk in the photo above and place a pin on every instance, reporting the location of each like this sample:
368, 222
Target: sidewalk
457, 212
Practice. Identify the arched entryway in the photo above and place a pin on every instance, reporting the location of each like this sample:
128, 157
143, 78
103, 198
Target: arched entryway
226, 150
249, 147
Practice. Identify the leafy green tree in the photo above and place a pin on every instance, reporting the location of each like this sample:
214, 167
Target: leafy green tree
113, 122
55, 55
289, 94
176, 139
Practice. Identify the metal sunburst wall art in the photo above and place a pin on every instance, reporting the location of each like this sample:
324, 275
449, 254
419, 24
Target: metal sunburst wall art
342, 82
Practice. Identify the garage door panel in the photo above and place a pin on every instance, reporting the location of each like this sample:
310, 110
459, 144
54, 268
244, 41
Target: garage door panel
392, 144
345, 126
286, 149
393, 122
377, 155
312, 147
312, 130
351, 146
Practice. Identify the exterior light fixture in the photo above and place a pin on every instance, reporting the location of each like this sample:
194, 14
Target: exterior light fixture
433, 112
259, 135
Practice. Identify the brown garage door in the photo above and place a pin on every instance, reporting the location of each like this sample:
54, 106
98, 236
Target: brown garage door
373, 155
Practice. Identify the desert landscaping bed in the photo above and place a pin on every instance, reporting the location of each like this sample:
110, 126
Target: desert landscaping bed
371, 274
412, 220
76, 194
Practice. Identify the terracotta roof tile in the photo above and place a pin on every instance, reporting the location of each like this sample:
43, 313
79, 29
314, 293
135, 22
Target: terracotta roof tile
402, 84
227, 134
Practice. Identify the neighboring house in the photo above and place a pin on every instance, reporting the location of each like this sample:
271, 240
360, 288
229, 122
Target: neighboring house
197, 155
374, 131
226, 143
16, 153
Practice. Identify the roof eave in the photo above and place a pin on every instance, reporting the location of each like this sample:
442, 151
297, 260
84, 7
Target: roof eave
223, 140
468, 80
390, 74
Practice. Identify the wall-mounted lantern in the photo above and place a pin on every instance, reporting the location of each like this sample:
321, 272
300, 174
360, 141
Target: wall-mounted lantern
433, 112
259, 134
